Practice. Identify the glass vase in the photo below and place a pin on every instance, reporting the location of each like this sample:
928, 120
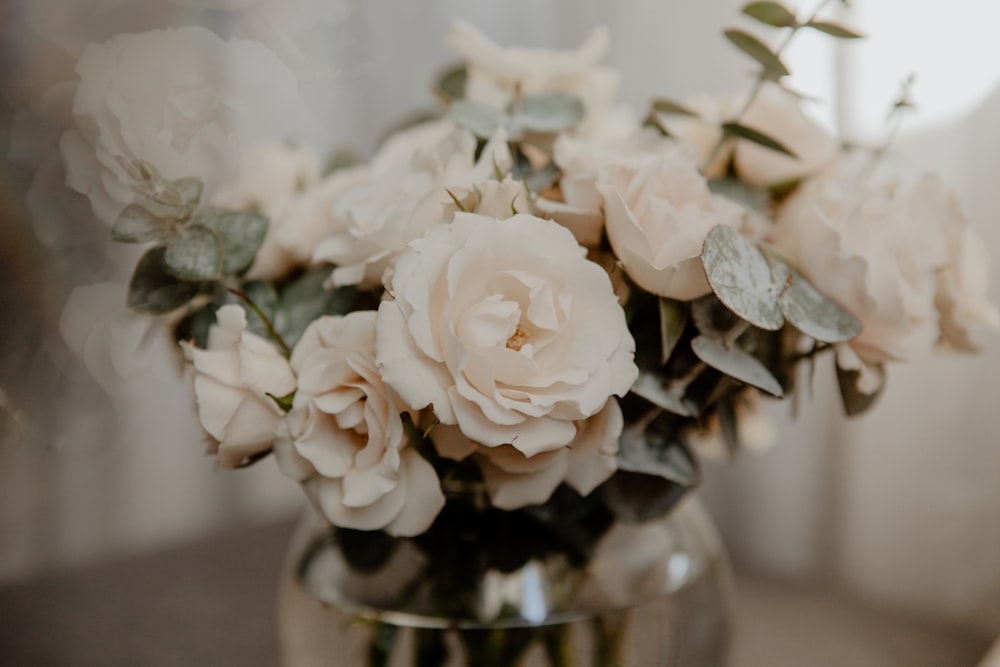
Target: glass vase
487, 588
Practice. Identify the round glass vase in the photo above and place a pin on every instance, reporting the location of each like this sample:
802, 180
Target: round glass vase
487, 588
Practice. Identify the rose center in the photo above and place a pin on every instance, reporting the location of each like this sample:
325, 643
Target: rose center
518, 339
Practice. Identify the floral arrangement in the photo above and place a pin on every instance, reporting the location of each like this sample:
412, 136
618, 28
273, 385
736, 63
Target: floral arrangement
534, 292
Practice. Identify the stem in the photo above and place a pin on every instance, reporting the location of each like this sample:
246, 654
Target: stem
759, 84
271, 331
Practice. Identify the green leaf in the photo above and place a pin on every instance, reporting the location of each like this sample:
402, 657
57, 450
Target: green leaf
736, 363
674, 316
187, 192
283, 402
340, 159
755, 199
265, 297
656, 455
666, 106
194, 254
548, 113
772, 13
757, 137
481, 120
856, 401
153, 290
835, 29
741, 277
757, 50
137, 225
542, 178
240, 234
305, 299
811, 312
712, 318
452, 82
652, 387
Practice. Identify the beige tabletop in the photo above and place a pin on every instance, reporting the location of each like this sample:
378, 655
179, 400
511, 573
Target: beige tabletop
213, 603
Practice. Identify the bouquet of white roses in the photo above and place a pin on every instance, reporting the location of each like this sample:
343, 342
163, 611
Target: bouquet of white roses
534, 288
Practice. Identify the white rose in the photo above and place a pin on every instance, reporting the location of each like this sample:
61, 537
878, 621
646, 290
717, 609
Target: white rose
882, 249
774, 112
961, 299
184, 100
232, 378
514, 480
344, 437
271, 178
506, 330
778, 114
658, 211
496, 75
405, 195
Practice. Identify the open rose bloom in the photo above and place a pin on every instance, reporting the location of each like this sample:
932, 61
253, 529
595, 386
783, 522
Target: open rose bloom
530, 294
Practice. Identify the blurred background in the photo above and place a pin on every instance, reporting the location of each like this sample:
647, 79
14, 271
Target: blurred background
100, 452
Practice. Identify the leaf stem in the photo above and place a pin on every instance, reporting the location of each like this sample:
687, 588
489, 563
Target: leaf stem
759, 84
271, 331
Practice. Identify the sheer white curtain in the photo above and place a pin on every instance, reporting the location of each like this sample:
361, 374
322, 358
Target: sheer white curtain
902, 505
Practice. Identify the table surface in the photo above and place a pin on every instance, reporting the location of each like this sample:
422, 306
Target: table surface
213, 603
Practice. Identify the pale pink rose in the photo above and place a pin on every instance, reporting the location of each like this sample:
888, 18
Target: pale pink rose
344, 437
514, 480
497, 74
506, 330
232, 380
892, 252
184, 100
405, 195
271, 178
658, 211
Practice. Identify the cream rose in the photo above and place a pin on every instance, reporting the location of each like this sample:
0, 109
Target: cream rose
506, 330
404, 195
496, 75
184, 100
232, 378
658, 211
344, 437
271, 178
883, 249
514, 480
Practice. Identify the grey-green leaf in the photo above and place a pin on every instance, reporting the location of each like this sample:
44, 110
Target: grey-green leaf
666, 106
856, 401
194, 254
811, 312
652, 388
835, 29
757, 50
771, 13
637, 453
188, 192
755, 199
481, 120
548, 113
736, 363
452, 81
135, 224
741, 277
153, 290
264, 296
305, 299
674, 316
240, 234
757, 137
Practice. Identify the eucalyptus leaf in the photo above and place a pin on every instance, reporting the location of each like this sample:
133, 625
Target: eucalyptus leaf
481, 120
188, 192
674, 316
194, 254
340, 159
741, 277
452, 82
265, 297
733, 189
771, 13
542, 178
834, 29
548, 113
736, 363
305, 299
758, 50
644, 451
811, 312
653, 388
670, 107
135, 224
153, 290
712, 318
856, 401
240, 234
757, 137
